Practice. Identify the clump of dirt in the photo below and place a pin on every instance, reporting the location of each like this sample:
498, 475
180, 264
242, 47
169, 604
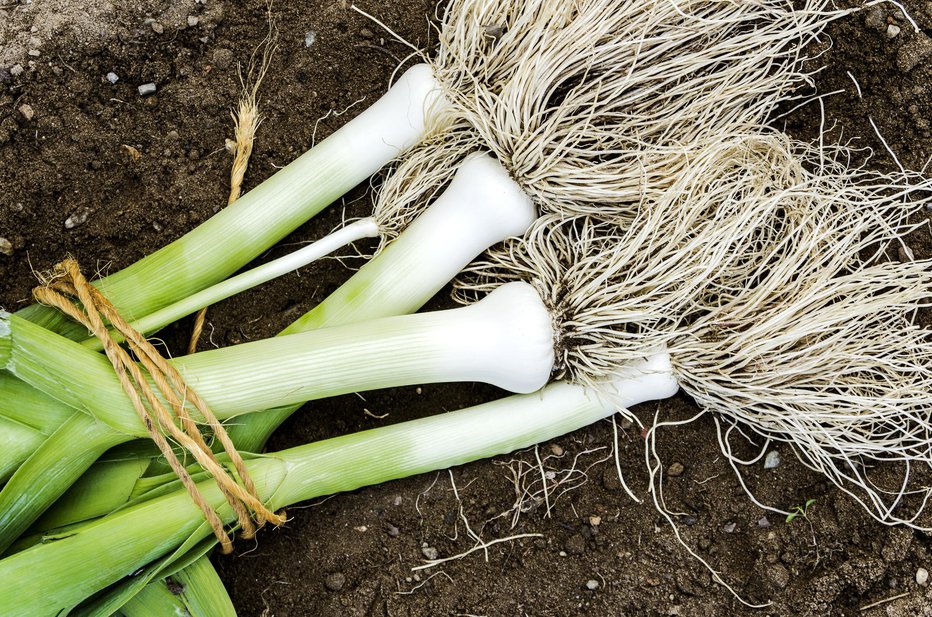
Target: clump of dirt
70, 185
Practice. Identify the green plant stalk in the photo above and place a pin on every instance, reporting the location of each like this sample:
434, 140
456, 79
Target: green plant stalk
410, 270
506, 339
66, 454
240, 232
141, 533
195, 591
256, 221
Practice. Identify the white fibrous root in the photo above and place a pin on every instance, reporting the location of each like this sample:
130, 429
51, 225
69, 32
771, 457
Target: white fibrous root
614, 291
820, 348
769, 272
415, 180
593, 105
590, 105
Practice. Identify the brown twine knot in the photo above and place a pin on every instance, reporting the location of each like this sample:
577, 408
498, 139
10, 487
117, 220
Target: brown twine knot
66, 284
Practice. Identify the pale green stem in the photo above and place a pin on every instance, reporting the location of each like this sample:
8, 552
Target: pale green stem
365, 228
240, 232
195, 591
506, 339
141, 533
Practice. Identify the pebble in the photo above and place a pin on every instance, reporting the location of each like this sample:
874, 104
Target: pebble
35, 41
147, 89
223, 58
392, 531
6, 247
335, 581
35, 53
113, 77
193, 20
309, 38
772, 460
592, 584
922, 577
763, 522
397, 500
157, 27
16, 70
730, 527
575, 545
5, 75
595, 521
914, 52
675, 470
892, 31
366, 33
27, 111
430, 552
779, 575
78, 218
556, 450
875, 19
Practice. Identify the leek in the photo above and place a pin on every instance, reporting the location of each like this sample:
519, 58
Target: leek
466, 219
142, 533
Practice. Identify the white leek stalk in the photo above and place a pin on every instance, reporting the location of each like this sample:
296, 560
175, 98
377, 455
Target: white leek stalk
139, 534
505, 339
260, 218
464, 221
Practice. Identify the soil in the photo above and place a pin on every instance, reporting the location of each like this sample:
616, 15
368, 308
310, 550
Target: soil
64, 132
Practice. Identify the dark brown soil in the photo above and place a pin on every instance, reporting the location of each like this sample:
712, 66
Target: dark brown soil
353, 554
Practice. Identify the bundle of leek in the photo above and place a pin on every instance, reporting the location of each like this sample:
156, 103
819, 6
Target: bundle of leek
606, 118
774, 325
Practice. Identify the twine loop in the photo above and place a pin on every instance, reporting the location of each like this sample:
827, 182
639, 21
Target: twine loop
161, 402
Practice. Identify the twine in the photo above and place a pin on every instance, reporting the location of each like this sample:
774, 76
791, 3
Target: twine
246, 122
93, 310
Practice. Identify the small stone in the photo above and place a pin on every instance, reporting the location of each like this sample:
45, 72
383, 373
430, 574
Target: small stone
35, 53
172, 134
575, 545
675, 470
361, 528
914, 52
335, 581
772, 460
16, 70
223, 58
592, 584
430, 552
193, 20
5, 75
779, 575
35, 41
763, 522
556, 449
922, 577
366, 33
595, 521
392, 531
78, 218
113, 77
6, 247
875, 19
309, 38
397, 500
892, 31
905, 253
157, 27
27, 112
147, 89
730, 527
